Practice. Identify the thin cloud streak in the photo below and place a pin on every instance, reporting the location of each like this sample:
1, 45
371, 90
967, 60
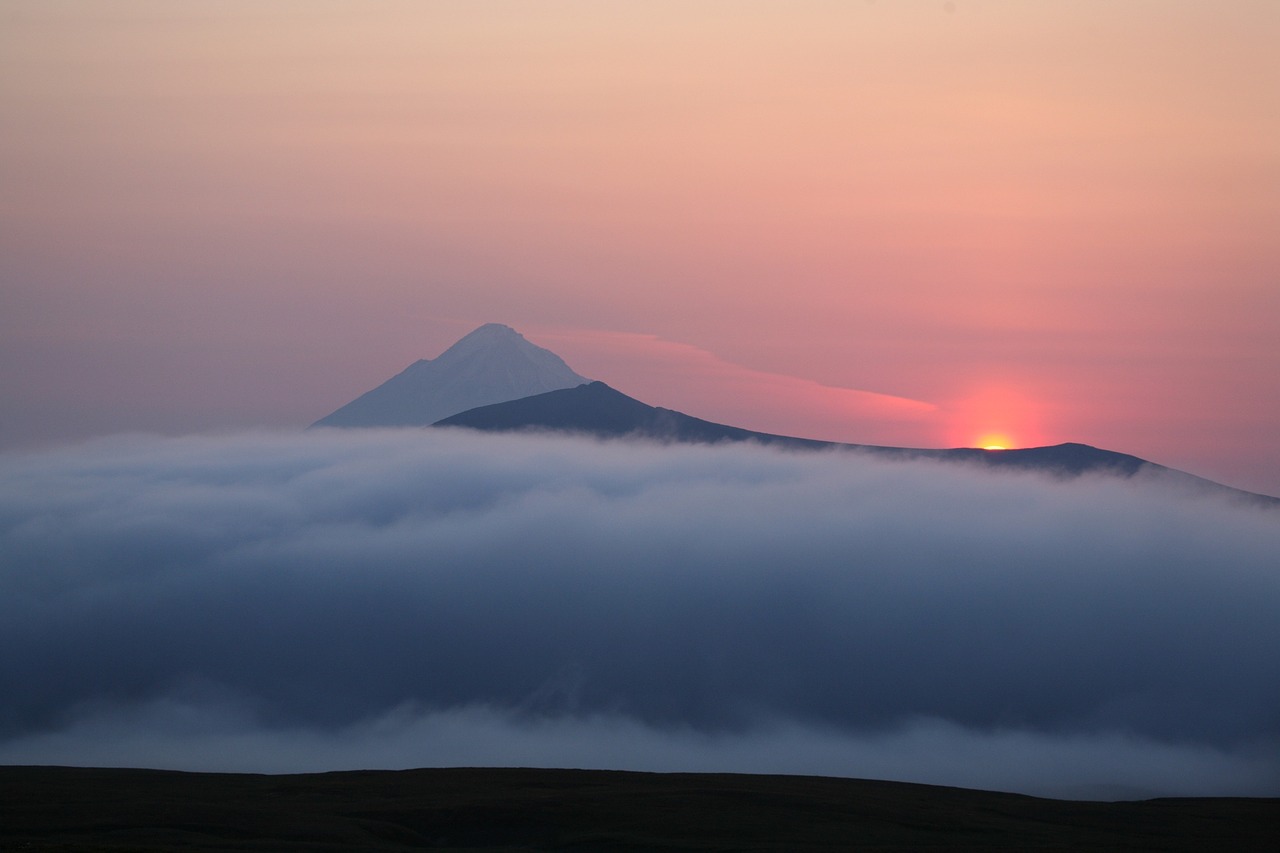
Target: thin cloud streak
698, 382
399, 598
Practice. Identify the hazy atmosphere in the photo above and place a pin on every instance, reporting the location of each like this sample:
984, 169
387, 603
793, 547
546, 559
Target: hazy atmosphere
974, 223
1043, 221
351, 599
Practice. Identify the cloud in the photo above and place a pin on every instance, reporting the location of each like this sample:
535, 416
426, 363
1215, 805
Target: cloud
700, 383
416, 598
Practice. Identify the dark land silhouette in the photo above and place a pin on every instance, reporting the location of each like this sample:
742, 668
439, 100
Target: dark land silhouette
81, 810
599, 411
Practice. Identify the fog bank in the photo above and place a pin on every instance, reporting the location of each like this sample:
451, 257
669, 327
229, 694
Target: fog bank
415, 598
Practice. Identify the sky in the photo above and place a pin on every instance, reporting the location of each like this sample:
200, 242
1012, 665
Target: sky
1017, 223
344, 599
913, 223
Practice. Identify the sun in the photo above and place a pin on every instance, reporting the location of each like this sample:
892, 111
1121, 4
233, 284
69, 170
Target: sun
994, 441
995, 417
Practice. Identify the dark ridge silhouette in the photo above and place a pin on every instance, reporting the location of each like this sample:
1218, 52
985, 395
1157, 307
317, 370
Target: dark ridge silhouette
597, 410
83, 809
1070, 459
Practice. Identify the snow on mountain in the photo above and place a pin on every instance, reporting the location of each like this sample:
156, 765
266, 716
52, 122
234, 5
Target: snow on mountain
492, 364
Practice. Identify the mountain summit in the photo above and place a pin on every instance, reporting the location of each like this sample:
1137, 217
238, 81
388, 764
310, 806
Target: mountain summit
492, 364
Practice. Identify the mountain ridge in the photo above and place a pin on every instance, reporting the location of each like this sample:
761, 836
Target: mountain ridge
598, 410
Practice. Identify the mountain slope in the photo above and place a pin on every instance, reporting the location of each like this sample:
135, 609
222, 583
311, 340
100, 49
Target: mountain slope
596, 409
492, 364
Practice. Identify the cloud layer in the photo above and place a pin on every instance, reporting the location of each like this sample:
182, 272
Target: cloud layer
409, 598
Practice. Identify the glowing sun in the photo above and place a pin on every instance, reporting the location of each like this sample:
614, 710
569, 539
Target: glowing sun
994, 441
995, 418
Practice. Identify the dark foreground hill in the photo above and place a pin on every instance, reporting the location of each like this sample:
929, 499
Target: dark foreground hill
79, 810
597, 410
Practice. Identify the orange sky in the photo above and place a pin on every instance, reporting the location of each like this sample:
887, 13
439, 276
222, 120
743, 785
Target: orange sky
1051, 220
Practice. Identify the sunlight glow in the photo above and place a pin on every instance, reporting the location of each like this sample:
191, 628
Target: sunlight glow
994, 441
999, 415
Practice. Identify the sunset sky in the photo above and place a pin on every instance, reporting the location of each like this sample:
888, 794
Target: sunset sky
921, 223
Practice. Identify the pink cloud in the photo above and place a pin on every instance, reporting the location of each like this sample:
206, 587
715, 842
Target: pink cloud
692, 380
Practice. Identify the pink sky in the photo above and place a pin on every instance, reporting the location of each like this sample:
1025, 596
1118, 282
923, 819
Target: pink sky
907, 222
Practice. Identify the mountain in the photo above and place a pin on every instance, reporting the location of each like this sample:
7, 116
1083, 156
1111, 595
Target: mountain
492, 364
597, 410
495, 380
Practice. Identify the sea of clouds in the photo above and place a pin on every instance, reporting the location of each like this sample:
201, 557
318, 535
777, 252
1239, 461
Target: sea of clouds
406, 598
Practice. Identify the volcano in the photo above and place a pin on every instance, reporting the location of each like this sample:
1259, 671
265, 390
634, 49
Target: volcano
492, 364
